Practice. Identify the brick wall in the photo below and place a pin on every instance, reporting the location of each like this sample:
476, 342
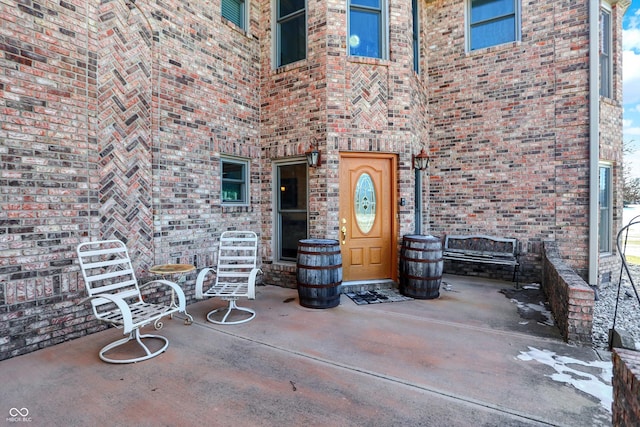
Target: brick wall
47, 147
570, 297
626, 387
293, 115
345, 104
509, 130
114, 120
116, 115
611, 146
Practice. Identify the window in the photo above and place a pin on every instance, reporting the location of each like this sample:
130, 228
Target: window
291, 31
367, 35
604, 203
605, 53
234, 11
492, 22
291, 198
234, 181
416, 33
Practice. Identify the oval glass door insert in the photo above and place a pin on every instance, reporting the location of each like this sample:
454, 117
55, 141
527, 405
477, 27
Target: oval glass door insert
364, 201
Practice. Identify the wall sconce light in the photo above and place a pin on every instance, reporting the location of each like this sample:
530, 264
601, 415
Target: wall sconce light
420, 161
313, 155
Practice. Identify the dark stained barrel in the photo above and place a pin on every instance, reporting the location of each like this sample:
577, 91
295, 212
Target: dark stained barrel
421, 266
319, 273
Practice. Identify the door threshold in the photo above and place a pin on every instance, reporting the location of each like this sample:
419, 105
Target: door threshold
367, 285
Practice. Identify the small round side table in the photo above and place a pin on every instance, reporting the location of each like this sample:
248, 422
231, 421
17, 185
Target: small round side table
173, 269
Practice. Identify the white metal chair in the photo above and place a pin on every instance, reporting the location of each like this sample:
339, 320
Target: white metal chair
116, 298
235, 273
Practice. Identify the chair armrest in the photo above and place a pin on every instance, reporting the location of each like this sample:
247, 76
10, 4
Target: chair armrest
200, 281
251, 285
182, 300
122, 305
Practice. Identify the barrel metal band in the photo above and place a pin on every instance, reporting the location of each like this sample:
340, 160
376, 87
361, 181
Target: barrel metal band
324, 285
318, 253
422, 260
410, 276
319, 267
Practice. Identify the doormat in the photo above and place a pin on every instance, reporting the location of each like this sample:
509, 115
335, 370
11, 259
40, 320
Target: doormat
376, 297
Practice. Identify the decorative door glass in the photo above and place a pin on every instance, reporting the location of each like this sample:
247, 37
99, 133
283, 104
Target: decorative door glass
364, 202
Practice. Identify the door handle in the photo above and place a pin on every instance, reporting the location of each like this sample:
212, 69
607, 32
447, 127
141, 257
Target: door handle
344, 234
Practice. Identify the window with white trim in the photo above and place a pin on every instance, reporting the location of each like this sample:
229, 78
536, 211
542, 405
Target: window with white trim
235, 179
606, 86
368, 28
291, 31
416, 34
234, 11
605, 203
492, 22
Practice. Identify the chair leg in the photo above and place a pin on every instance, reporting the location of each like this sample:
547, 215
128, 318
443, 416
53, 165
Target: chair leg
232, 306
134, 335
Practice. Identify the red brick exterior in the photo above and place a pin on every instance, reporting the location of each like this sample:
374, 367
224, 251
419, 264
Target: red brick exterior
116, 115
509, 117
610, 145
570, 297
626, 388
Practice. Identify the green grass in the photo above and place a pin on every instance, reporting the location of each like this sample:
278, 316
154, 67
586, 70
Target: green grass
633, 259
633, 243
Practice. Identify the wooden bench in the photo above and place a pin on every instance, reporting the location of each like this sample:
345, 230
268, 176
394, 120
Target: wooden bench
482, 249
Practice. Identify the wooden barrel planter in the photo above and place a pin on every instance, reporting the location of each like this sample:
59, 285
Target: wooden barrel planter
319, 273
421, 266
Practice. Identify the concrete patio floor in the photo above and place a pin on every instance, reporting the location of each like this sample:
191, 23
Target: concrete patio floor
459, 360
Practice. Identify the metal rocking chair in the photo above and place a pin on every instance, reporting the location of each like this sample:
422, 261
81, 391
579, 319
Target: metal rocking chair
235, 273
116, 298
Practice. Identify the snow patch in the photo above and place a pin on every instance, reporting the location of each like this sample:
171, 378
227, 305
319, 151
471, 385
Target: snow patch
568, 373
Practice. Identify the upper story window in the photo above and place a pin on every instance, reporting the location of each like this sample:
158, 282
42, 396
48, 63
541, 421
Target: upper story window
235, 178
416, 33
234, 11
606, 80
291, 31
492, 22
367, 28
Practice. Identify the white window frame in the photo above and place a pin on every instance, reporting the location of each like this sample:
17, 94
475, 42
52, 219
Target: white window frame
605, 213
384, 30
606, 52
468, 26
415, 13
244, 182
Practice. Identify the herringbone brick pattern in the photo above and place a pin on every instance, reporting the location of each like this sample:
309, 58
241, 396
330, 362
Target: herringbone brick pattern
369, 96
124, 86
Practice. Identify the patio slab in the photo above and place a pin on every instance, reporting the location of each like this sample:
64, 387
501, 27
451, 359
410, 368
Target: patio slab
466, 358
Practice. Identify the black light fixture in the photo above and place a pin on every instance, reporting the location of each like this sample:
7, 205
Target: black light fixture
313, 155
420, 161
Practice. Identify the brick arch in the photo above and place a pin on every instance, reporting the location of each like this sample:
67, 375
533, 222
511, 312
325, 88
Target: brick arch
124, 127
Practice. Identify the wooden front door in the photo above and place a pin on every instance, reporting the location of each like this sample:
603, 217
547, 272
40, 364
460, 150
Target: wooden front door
367, 216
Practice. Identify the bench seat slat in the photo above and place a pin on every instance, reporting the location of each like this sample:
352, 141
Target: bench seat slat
471, 250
